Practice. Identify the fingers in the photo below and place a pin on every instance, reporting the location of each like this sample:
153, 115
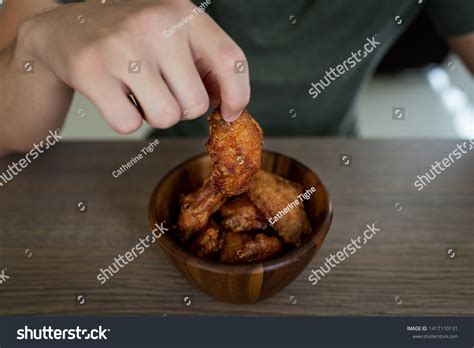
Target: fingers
170, 86
110, 97
228, 65
210, 83
160, 108
183, 79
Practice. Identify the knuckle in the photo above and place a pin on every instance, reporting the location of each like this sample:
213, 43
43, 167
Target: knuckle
229, 54
198, 106
143, 18
84, 63
164, 119
113, 42
230, 51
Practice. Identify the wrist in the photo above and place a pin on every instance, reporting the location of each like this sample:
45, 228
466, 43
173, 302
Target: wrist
30, 54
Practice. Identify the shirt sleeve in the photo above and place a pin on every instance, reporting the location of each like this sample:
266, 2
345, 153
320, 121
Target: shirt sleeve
452, 17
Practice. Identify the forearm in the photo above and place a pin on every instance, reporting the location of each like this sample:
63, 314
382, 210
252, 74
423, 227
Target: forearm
34, 101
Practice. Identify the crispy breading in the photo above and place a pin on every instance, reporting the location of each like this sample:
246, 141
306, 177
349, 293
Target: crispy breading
260, 248
239, 214
235, 150
196, 208
242, 248
272, 194
208, 243
232, 243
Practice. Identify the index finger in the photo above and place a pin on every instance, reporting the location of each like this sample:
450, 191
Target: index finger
227, 62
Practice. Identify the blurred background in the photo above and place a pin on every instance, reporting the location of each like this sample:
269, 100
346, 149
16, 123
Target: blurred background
418, 74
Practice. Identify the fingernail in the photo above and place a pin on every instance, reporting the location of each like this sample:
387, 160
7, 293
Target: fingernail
232, 117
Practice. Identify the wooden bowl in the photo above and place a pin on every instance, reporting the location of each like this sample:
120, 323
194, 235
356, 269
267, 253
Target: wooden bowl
240, 283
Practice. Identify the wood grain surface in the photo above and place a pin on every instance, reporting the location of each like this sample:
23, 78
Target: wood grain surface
404, 270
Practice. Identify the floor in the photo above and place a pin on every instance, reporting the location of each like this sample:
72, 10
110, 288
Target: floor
435, 102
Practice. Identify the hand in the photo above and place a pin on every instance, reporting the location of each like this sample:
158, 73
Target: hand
108, 51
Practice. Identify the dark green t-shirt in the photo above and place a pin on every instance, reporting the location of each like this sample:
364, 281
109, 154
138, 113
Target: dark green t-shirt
308, 59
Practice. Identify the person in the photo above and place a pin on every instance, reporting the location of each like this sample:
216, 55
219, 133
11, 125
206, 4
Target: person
167, 61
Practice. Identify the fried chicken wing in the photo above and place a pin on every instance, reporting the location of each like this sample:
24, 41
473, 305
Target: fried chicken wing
232, 243
235, 150
196, 208
277, 199
260, 248
209, 242
240, 248
239, 214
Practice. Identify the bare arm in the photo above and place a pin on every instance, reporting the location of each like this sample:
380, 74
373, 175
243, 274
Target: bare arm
463, 45
32, 103
13, 13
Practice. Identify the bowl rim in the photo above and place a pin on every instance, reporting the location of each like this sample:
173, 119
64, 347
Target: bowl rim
173, 247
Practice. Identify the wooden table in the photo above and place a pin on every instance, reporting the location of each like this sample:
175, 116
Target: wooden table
53, 251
